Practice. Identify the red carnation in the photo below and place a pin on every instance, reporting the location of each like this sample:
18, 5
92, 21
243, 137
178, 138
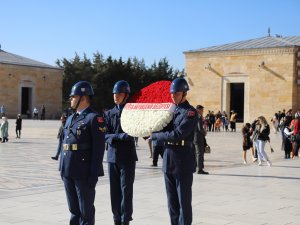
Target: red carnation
158, 92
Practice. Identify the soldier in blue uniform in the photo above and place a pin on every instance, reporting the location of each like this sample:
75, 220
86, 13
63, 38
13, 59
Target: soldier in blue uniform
82, 155
121, 158
179, 162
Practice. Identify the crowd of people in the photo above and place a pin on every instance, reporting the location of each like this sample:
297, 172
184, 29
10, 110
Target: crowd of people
4, 123
289, 127
215, 121
35, 113
4, 128
256, 135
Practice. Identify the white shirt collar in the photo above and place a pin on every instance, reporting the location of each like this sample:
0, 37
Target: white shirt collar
79, 112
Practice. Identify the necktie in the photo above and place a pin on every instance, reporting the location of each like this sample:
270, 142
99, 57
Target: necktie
75, 116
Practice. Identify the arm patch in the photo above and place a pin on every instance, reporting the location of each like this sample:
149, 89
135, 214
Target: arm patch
191, 114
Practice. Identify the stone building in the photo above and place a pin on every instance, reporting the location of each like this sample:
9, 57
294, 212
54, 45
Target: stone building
26, 83
254, 77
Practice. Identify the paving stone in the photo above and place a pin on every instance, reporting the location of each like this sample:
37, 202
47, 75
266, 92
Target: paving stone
31, 191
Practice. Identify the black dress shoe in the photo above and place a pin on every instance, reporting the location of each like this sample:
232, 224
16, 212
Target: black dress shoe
154, 165
54, 158
116, 222
202, 172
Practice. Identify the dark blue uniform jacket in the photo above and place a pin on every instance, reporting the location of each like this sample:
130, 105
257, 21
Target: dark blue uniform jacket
121, 146
85, 138
179, 159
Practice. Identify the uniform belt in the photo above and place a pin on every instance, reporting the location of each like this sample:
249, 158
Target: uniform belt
75, 147
180, 143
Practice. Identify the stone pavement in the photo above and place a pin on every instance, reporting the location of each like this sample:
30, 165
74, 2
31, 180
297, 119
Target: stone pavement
31, 192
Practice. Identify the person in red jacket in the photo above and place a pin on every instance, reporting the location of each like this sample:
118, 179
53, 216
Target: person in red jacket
296, 134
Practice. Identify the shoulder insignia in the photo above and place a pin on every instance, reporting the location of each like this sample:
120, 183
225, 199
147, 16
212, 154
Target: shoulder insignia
191, 114
102, 129
100, 119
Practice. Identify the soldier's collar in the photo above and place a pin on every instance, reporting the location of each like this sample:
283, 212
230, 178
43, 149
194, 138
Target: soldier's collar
82, 112
183, 103
120, 107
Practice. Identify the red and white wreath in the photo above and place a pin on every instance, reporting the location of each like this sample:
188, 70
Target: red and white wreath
149, 110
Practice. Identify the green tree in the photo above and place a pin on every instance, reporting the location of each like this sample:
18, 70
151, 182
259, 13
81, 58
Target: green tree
104, 73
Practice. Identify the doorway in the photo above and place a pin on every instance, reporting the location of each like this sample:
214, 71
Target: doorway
237, 100
26, 100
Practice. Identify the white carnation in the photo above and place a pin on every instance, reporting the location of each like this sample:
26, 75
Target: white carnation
141, 123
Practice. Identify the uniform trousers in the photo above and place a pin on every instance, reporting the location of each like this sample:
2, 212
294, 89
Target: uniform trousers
80, 196
121, 177
179, 194
199, 152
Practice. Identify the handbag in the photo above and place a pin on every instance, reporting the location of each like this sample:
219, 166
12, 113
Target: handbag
207, 149
271, 149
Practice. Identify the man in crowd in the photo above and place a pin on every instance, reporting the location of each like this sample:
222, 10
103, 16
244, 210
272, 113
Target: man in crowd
199, 141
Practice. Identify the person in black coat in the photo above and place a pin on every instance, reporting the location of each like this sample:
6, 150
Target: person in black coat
287, 138
18, 126
199, 141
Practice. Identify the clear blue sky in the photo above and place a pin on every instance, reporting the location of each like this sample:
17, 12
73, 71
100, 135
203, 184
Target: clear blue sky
47, 30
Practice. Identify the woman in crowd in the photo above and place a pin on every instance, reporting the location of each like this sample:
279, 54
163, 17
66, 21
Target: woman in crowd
18, 126
233, 121
287, 139
263, 131
4, 130
207, 121
212, 120
275, 123
223, 117
296, 127
218, 124
247, 142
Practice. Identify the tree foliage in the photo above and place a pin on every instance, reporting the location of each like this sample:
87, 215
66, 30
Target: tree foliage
103, 73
